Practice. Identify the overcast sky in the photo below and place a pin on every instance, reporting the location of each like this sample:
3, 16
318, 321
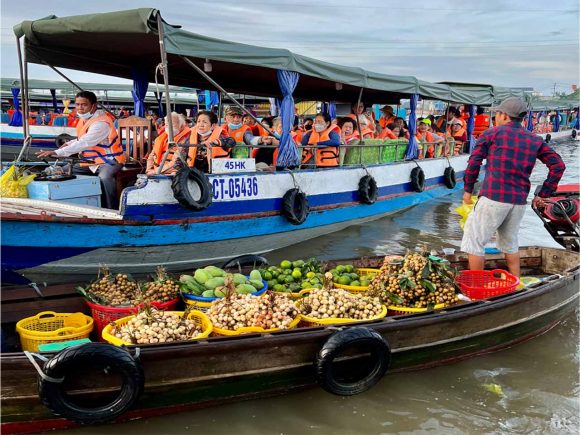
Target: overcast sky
507, 43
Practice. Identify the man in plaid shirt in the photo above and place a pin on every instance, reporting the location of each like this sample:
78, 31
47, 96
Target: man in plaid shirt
511, 153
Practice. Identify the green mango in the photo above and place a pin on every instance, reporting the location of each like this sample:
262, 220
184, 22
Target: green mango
214, 282
215, 271
245, 289
185, 278
208, 294
255, 275
258, 284
239, 278
220, 292
201, 276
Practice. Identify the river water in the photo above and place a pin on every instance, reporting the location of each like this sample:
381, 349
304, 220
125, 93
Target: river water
533, 388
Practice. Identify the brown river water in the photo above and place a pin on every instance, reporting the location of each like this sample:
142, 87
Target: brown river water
532, 388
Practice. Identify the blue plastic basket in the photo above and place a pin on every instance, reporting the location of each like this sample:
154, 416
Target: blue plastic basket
197, 298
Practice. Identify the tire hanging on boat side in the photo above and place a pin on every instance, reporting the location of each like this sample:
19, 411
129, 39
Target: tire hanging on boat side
182, 193
573, 134
449, 177
87, 356
295, 206
548, 137
367, 190
418, 179
366, 339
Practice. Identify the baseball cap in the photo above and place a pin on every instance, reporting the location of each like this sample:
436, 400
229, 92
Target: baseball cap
425, 121
233, 110
456, 121
513, 107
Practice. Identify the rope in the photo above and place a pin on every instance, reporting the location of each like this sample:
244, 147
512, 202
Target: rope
296, 186
44, 376
366, 170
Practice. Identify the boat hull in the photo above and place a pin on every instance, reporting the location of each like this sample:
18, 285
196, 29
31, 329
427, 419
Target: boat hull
187, 376
152, 224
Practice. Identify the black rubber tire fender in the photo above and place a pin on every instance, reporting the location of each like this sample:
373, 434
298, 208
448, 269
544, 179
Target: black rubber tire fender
573, 134
418, 179
92, 355
63, 138
449, 177
246, 260
295, 206
182, 193
367, 190
548, 137
380, 352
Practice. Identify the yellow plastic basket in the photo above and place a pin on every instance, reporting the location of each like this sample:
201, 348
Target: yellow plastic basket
199, 305
248, 329
395, 310
357, 288
199, 317
313, 321
51, 327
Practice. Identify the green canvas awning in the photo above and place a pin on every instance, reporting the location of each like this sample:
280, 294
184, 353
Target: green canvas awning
113, 43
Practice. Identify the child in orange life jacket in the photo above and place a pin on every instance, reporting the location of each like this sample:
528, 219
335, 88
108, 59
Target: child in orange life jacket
426, 139
325, 136
97, 144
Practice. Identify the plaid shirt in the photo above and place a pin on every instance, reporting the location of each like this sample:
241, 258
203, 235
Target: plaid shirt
511, 154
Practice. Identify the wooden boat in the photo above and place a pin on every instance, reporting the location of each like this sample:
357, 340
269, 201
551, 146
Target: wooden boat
248, 214
212, 371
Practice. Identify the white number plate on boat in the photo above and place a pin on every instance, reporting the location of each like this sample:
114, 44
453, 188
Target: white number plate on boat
234, 187
223, 166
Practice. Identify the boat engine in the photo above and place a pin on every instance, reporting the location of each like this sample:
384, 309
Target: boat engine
561, 216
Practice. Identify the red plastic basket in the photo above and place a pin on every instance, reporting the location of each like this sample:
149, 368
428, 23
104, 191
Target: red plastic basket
103, 315
482, 284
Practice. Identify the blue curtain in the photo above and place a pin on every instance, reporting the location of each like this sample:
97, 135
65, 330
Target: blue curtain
54, 102
577, 123
471, 126
412, 149
557, 121
214, 99
140, 84
16, 120
330, 109
530, 126
288, 154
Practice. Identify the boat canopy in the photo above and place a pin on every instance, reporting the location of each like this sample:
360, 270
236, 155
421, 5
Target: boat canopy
487, 94
548, 105
116, 43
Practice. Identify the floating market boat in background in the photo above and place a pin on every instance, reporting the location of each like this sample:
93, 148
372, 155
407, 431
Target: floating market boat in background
212, 371
246, 211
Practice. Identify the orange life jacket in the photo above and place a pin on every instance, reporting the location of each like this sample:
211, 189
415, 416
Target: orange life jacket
160, 145
217, 152
481, 124
351, 137
327, 156
427, 140
387, 134
108, 153
237, 134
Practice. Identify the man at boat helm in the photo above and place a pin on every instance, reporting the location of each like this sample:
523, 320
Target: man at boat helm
97, 144
511, 153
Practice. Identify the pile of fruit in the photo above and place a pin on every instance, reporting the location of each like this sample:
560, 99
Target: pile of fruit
346, 274
120, 289
234, 311
293, 276
209, 282
416, 280
152, 326
339, 304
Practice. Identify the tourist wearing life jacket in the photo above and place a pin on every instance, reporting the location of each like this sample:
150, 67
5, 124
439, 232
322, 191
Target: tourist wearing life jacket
457, 131
387, 116
426, 139
348, 131
267, 156
97, 144
326, 138
366, 121
481, 122
235, 128
208, 141
404, 133
181, 133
